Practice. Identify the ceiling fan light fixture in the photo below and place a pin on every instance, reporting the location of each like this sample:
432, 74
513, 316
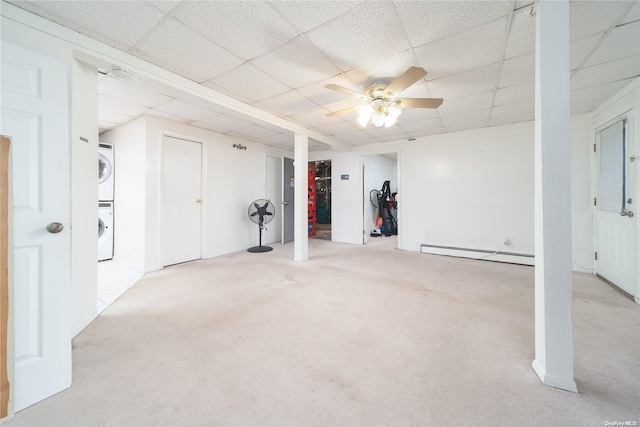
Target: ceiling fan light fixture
389, 121
378, 118
395, 109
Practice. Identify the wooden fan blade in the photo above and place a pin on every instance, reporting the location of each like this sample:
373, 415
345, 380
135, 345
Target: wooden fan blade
409, 77
346, 91
420, 102
347, 110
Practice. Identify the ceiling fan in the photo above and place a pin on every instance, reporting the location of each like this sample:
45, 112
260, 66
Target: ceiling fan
382, 107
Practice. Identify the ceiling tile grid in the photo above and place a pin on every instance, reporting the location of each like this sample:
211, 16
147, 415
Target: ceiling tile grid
279, 55
351, 41
233, 23
176, 45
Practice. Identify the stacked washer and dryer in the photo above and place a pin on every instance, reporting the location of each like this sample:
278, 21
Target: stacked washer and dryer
105, 201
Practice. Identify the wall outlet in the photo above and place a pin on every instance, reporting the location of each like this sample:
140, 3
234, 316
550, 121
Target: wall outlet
507, 242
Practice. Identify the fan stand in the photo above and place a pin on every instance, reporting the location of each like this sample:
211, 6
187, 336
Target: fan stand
260, 248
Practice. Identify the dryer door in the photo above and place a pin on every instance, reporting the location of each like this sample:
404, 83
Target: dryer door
104, 168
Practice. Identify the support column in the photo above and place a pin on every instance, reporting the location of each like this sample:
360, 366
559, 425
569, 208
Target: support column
300, 219
553, 281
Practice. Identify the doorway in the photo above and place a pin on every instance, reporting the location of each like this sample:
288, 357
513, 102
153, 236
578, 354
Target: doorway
376, 170
322, 186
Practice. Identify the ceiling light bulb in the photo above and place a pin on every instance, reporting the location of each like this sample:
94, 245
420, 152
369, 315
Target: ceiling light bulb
362, 121
378, 118
389, 121
395, 110
365, 112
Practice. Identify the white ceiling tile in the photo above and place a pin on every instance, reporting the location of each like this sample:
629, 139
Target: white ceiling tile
224, 121
165, 5
386, 70
182, 109
632, 15
290, 104
167, 116
116, 105
244, 28
518, 70
522, 36
623, 41
519, 4
468, 103
255, 131
113, 117
239, 134
586, 107
522, 107
374, 42
324, 96
481, 45
358, 137
427, 132
393, 137
127, 23
597, 93
296, 64
306, 15
430, 20
607, 72
314, 118
516, 93
174, 44
469, 117
466, 126
421, 125
581, 48
387, 134
248, 82
517, 118
589, 17
464, 84
132, 93
338, 127
279, 138
208, 126
417, 114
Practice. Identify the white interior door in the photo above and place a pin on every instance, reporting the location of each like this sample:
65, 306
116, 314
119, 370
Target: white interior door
614, 210
181, 200
34, 115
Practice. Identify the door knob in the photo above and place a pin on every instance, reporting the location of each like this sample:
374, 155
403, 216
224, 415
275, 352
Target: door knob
285, 203
199, 201
54, 227
625, 212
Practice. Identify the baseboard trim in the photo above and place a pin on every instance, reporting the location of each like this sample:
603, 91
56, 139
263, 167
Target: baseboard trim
479, 254
562, 384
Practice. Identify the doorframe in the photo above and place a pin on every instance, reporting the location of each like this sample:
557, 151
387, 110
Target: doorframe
631, 114
398, 185
203, 191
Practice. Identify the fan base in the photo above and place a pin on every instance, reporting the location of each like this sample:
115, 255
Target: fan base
257, 249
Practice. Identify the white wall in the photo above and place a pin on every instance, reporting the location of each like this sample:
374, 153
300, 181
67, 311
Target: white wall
626, 102
346, 197
273, 192
84, 189
232, 180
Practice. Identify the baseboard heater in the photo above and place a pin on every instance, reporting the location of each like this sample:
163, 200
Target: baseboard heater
481, 254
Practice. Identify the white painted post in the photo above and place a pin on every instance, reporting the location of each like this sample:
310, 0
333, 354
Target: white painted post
300, 208
553, 281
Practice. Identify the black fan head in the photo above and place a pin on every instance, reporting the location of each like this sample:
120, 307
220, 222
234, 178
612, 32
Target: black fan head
261, 211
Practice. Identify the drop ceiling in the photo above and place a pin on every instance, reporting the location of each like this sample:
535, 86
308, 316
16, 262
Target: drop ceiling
278, 55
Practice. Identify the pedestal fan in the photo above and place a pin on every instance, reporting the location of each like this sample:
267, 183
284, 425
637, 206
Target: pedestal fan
261, 212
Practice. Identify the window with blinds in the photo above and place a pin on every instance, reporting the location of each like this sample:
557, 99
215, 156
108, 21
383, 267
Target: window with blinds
611, 168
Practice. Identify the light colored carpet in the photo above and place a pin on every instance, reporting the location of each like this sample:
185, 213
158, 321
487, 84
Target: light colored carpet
359, 335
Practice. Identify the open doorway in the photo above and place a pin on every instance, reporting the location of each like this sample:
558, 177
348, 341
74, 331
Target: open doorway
380, 177
320, 192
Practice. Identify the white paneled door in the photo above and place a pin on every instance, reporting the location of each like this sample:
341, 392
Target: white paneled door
181, 200
34, 115
615, 207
